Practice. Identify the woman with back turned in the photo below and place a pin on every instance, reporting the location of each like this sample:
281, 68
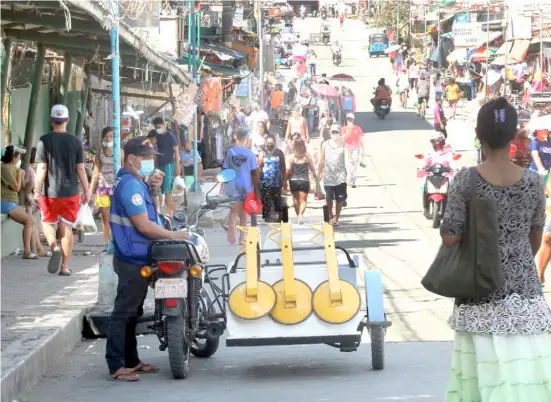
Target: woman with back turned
502, 348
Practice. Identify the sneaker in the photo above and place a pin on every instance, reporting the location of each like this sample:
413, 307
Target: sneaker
300, 219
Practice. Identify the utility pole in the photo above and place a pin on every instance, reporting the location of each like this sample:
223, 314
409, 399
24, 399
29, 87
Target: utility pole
260, 33
228, 12
115, 88
505, 36
487, 49
194, 47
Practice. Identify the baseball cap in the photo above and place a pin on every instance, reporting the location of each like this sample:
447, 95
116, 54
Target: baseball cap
139, 146
59, 112
335, 127
350, 116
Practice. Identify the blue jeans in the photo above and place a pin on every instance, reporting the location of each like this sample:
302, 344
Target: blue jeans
311, 120
312, 69
121, 349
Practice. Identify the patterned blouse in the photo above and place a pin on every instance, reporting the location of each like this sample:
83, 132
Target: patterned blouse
518, 307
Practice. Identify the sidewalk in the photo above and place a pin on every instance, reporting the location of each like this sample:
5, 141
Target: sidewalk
42, 313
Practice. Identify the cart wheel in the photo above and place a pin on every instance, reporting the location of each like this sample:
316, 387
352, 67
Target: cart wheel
377, 335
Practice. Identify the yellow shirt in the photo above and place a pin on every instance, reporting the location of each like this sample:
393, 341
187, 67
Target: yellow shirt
8, 179
452, 91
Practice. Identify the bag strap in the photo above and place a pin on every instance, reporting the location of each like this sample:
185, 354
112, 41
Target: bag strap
473, 180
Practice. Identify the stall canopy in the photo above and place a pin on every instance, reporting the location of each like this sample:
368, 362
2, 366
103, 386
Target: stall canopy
458, 56
516, 52
480, 55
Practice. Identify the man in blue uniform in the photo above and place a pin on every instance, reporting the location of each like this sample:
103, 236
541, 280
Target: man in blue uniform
134, 224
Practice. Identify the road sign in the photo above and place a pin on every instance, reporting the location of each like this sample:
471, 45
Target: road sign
534, 6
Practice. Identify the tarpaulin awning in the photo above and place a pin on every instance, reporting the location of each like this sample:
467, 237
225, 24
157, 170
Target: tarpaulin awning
480, 54
516, 52
223, 50
459, 55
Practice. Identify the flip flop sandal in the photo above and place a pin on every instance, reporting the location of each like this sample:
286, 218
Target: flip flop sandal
47, 254
125, 377
61, 273
31, 256
54, 265
154, 369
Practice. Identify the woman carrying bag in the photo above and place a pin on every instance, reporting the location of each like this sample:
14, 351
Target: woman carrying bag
502, 348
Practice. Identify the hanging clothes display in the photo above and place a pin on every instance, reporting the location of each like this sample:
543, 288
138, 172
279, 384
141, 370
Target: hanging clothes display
212, 94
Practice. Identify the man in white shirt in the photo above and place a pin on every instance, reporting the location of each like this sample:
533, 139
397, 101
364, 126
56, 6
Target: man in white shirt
258, 115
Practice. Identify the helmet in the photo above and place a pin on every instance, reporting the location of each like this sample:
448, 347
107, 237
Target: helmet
201, 247
438, 141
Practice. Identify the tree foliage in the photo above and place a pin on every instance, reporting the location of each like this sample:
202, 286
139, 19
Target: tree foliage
389, 13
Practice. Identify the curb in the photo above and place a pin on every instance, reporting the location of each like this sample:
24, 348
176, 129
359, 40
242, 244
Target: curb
21, 370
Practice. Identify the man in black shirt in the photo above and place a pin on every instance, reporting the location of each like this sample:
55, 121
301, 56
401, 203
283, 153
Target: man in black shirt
168, 161
60, 166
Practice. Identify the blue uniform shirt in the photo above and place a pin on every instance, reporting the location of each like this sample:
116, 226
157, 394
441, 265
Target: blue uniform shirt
131, 197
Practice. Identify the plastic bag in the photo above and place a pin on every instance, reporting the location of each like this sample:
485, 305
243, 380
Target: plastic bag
85, 220
179, 186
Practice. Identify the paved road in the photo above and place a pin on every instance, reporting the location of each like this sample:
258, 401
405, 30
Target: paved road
383, 222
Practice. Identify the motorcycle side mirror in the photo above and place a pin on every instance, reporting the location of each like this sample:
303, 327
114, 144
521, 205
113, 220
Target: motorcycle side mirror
226, 176
419, 156
457, 157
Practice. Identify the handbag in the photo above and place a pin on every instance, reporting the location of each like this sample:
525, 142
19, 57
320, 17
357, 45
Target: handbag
472, 268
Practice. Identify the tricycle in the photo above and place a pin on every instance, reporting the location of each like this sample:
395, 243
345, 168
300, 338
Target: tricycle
378, 43
325, 33
280, 57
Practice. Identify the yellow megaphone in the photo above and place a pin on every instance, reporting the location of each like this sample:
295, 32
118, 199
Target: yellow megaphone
253, 298
294, 297
335, 301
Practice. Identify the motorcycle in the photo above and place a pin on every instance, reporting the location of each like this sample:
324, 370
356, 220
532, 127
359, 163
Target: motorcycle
323, 15
186, 319
435, 189
302, 14
337, 58
382, 109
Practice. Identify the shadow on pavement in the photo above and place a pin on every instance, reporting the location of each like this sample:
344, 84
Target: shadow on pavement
402, 121
366, 243
347, 226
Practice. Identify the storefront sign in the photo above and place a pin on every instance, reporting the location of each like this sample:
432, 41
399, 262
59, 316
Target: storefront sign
467, 34
530, 6
186, 103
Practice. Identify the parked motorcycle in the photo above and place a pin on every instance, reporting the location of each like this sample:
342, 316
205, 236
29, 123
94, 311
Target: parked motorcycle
186, 319
323, 15
435, 189
302, 14
337, 58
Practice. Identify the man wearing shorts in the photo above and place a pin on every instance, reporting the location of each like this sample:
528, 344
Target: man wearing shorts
60, 166
168, 161
332, 170
439, 118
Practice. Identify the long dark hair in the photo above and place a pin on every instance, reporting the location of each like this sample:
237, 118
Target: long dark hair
9, 154
497, 123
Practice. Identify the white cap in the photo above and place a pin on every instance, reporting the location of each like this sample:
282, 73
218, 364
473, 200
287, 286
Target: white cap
350, 116
59, 112
335, 127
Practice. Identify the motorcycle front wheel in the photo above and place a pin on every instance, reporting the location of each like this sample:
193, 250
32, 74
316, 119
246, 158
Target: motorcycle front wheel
178, 349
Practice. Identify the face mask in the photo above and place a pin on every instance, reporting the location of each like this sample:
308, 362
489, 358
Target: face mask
147, 167
336, 136
350, 123
18, 164
108, 144
159, 130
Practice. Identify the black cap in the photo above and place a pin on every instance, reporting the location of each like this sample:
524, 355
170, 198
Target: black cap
140, 146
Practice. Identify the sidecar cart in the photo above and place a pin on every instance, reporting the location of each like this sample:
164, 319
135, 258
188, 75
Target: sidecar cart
301, 291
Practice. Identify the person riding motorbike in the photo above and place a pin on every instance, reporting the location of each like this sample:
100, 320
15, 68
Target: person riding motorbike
302, 11
323, 12
336, 50
443, 154
382, 92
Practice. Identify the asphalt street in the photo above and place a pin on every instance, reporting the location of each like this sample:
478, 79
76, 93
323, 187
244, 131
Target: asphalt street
384, 224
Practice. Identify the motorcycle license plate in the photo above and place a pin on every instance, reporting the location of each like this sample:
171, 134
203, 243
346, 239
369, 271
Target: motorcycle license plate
171, 288
384, 106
